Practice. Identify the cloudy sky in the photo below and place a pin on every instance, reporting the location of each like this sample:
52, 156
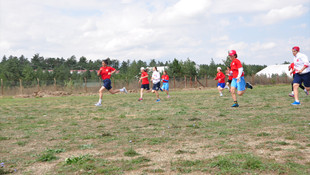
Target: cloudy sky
262, 31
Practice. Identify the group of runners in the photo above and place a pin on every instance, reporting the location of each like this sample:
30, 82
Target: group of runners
299, 68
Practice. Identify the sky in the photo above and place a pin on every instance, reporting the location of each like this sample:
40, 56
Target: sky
261, 31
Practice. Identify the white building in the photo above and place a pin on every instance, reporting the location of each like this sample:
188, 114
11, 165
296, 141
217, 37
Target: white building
275, 69
160, 69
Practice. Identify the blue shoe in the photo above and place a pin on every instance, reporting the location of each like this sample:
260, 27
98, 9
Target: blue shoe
235, 105
160, 89
158, 100
295, 103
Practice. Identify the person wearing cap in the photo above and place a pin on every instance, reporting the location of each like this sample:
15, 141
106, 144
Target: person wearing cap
302, 73
145, 82
105, 73
238, 81
291, 68
221, 80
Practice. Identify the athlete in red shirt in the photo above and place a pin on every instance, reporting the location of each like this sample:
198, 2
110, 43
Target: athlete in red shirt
221, 80
145, 82
105, 73
238, 81
291, 68
165, 79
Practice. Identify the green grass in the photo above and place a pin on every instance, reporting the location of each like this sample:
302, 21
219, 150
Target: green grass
194, 131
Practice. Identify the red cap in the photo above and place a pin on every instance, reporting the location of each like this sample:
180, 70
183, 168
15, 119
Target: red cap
232, 52
296, 48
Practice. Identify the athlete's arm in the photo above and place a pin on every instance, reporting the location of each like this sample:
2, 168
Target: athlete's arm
240, 70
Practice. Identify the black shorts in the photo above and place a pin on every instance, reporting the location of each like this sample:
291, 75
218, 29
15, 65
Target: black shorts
229, 81
145, 86
106, 83
156, 86
302, 78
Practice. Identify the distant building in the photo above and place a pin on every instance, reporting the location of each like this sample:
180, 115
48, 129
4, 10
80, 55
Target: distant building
159, 68
80, 71
275, 70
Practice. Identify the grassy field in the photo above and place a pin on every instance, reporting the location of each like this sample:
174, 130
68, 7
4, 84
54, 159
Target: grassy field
193, 132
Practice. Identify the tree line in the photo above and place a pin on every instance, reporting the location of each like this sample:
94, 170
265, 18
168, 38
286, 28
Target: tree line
14, 68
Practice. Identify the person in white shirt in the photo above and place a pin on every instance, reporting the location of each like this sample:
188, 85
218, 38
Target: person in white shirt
156, 82
302, 72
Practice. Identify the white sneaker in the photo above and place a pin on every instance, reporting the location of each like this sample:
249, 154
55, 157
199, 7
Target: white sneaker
307, 93
98, 104
125, 90
221, 95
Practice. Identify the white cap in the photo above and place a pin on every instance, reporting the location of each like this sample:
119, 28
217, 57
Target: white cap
219, 68
142, 68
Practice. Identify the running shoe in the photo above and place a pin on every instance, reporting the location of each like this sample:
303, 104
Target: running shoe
295, 103
248, 85
291, 95
235, 105
158, 100
307, 93
140, 99
221, 94
98, 104
168, 96
160, 89
125, 90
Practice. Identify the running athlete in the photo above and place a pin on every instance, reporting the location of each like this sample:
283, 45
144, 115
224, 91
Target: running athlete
221, 80
105, 72
165, 79
302, 72
229, 73
291, 68
238, 81
145, 82
156, 82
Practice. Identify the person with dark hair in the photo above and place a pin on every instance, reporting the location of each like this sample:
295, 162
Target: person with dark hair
291, 68
238, 81
145, 82
156, 83
105, 73
229, 73
165, 79
302, 73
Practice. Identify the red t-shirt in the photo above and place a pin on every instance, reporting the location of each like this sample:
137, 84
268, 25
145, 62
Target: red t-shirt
145, 80
165, 78
220, 77
292, 67
234, 66
106, 72
230, 75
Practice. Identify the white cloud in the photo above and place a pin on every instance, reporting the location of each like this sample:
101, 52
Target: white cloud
246, 6
131, 29
278, 15
262, 46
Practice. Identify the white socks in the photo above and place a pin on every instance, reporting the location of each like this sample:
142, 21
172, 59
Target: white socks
100, 101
